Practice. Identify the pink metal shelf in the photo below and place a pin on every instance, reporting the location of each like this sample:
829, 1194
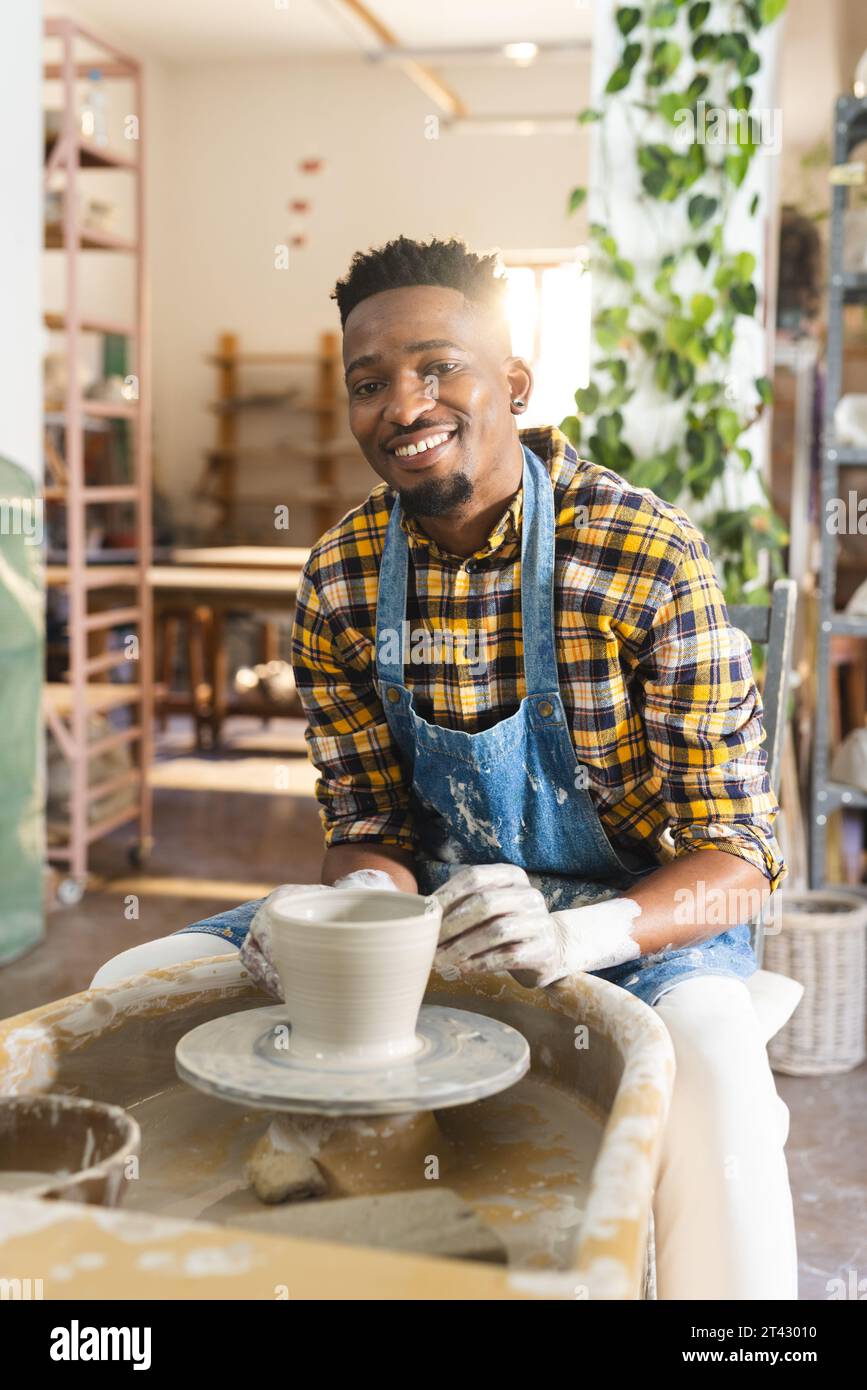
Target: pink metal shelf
58, 238
70, 704
57, 324
90, 156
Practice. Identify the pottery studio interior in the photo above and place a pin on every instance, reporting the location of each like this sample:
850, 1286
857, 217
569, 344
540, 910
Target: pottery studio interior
360, 769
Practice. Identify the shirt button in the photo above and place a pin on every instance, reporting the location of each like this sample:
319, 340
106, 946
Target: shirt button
392, 694
545, 708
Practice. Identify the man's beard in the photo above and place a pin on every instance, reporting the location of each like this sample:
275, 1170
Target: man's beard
436, 496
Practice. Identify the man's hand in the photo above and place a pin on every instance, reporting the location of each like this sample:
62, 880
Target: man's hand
493, 919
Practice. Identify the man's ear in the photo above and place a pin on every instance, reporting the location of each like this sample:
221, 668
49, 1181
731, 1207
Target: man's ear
519, 381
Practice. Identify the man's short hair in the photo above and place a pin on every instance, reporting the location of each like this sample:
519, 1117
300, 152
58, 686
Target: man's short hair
402, 263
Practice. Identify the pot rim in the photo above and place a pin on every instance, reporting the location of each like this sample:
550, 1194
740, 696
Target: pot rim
281, 912
127, 1129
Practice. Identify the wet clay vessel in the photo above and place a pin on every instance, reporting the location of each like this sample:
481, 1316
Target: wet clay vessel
354, 966
66, 1146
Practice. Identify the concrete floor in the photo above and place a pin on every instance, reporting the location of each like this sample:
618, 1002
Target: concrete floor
827, 1154
214, 849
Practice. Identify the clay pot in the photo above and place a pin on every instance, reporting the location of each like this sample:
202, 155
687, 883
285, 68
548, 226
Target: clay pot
65, 1147
354, 965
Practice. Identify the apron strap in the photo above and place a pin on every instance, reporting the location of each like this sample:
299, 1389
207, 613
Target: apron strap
537, 578
537, 586
391, 601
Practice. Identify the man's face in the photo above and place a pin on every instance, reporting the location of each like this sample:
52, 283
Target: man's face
430, 380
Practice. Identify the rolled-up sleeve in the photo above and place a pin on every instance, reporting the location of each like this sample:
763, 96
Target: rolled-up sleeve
703, 719
362, 789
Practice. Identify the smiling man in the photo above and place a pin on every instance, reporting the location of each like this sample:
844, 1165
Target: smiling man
600, 774
576, 798
607, 755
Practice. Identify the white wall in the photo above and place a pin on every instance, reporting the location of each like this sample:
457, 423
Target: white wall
235, 136
810, 82
223, 143
20, 234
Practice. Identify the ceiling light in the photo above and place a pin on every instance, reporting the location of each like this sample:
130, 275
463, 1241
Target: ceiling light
521, 53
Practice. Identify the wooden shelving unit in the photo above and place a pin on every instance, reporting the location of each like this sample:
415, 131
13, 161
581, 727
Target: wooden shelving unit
311, 400
88, 689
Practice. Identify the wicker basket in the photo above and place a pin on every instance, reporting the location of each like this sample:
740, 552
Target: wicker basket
822, 946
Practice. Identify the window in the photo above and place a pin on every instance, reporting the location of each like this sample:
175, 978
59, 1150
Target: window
549, 313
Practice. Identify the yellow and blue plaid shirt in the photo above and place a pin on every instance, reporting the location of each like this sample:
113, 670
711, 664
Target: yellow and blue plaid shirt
658, 687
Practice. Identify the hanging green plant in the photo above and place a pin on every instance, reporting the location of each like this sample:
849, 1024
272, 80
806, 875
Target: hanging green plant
655, 336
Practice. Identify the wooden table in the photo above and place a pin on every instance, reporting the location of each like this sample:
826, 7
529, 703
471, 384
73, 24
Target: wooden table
228, 586
243, 556
203, 595
90, 1252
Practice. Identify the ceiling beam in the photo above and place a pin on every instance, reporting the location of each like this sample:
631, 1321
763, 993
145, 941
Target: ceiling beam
481, 53
428, 81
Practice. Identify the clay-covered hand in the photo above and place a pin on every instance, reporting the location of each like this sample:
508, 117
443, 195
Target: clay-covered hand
494, 919
256, 953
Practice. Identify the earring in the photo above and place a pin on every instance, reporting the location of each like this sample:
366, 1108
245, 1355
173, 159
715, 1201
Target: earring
516, 401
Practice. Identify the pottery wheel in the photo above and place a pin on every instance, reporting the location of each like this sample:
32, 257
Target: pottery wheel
243, 1058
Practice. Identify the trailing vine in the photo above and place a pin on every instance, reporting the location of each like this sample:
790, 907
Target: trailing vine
670, 328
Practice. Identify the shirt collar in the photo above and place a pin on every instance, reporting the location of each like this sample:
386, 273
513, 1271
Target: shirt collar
549, 444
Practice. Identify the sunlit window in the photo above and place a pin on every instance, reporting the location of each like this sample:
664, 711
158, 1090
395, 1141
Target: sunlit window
549, 313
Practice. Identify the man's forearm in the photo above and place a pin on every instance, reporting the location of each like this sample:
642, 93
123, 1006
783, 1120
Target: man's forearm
346, 858
694, 897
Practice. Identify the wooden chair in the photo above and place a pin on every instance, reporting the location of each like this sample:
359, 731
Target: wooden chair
773, 627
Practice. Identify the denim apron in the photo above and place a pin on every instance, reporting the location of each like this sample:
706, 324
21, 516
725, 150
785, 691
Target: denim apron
514, 793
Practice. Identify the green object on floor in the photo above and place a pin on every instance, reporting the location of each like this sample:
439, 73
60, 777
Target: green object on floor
22, 625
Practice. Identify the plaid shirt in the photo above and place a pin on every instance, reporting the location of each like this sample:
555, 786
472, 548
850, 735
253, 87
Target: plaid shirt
656, 684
